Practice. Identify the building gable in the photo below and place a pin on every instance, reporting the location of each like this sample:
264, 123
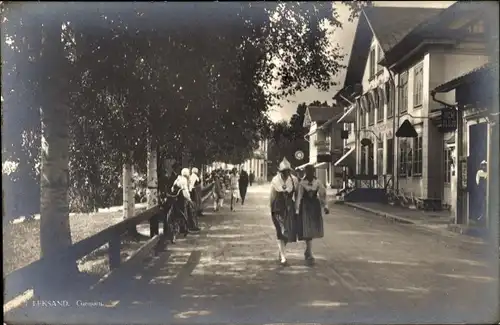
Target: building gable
441, 27
388, 25
320, 114
391, 24
307, 119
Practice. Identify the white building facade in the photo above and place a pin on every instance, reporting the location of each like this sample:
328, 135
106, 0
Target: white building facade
401, 68
325, 142
258, 163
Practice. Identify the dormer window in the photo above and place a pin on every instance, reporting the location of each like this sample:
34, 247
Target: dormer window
379, 57
372, 63
476, 28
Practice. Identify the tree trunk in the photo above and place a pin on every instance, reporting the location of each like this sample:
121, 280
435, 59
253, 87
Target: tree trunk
152, 174
128, 191
55, 234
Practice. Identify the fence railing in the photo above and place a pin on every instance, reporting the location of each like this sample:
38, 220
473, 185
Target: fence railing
38, 272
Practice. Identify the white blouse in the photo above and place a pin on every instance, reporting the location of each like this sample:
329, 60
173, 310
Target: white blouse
183, 183
315, 185
280, 185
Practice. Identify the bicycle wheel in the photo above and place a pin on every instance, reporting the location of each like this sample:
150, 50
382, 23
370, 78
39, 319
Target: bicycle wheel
170, 225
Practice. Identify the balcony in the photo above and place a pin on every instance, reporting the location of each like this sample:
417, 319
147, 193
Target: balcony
319, 143
259, 154
322, 146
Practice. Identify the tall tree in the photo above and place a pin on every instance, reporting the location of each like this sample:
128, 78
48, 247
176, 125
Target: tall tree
139, 72
55, 234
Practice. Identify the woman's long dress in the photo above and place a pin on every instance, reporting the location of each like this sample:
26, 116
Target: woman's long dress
311, 200
283, 211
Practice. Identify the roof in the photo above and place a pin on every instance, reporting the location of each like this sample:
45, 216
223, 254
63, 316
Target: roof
391, 24
359, 53
431, 27
323, 113
480, 72
374, 21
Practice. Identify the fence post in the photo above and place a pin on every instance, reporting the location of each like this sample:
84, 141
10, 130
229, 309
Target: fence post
154, 226
114, 252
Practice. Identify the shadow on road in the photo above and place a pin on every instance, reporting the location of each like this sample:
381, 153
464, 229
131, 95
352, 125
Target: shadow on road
366, 272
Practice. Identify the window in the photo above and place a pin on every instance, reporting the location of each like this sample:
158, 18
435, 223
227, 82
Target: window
403, 92
371, 158
363, 161
409, 160
403, 157
417, 156
448, 162
380, 106
362, 119
389, 99
379, 57
390, 156
372, 63
371, 108
476, 28
380, 158
418, 85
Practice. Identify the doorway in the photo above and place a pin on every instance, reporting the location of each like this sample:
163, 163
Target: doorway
478, 152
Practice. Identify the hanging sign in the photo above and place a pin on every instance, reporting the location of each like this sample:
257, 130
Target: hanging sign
449, 120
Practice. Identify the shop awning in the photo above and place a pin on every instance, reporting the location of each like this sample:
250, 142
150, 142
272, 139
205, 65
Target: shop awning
302, 166
479, 72
344, 157
349, 115
321, 165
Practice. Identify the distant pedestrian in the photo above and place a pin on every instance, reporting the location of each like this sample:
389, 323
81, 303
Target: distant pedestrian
234, 187
181, 186
195, 183
218, 192
243, 184
191, 204
481, 182
227, 180
283, 196
310, 205
251, 178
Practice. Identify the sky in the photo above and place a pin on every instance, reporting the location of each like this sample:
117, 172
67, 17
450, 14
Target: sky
344, 37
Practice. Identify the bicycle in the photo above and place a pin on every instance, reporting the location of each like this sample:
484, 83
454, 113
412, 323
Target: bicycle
175, 218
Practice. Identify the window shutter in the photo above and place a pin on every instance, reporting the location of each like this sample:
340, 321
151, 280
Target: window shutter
364, 104
382, 97
373, 98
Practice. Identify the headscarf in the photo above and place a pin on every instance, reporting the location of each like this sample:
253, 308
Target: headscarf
284, 165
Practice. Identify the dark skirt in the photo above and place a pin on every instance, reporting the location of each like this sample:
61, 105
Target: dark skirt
310, 218
283, 216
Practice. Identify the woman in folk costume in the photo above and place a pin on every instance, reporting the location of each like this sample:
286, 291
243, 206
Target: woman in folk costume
310, 204
283, 195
